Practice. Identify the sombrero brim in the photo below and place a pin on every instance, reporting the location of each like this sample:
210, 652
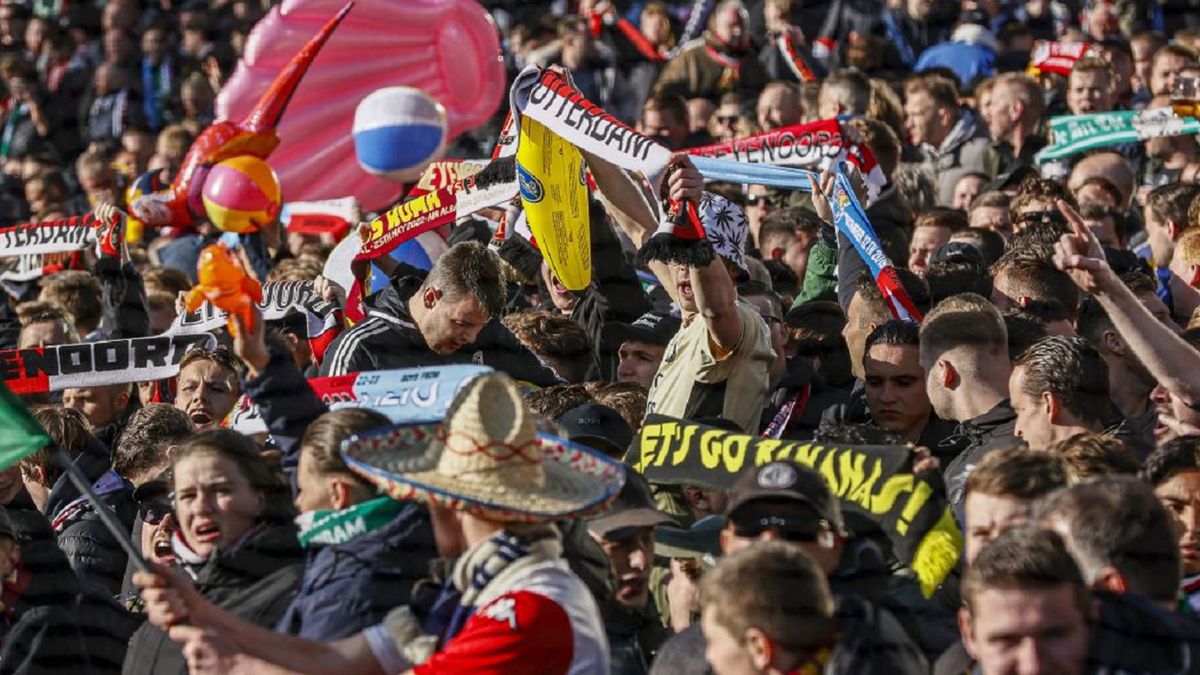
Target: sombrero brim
402, 461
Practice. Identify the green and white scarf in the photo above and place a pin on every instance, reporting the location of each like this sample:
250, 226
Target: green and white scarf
328, 526
1073, 134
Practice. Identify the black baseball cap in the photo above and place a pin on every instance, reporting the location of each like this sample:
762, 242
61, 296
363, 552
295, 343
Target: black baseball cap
597, 426
958, 251
701, 540
632, 511
155, 489
784, 481
655, 327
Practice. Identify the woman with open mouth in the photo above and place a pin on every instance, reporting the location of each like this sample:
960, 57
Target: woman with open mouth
234, 536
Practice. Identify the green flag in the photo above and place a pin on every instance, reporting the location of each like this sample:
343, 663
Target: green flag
20, 434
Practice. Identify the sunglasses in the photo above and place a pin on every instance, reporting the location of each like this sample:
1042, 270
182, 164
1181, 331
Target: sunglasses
1049, 217
728, 120
788, 529
152, 513
755, 200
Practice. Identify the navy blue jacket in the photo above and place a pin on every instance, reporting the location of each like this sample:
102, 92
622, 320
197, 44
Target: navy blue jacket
287, 405
349, 586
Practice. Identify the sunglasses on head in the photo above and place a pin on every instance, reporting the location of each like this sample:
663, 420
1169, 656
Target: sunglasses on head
755, 200
152, 513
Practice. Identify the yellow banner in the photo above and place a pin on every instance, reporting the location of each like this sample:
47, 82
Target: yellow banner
554, 192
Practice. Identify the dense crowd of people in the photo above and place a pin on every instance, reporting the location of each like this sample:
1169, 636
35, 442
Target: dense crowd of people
1044, 386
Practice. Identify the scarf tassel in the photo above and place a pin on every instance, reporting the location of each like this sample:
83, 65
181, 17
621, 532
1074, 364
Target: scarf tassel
680, 240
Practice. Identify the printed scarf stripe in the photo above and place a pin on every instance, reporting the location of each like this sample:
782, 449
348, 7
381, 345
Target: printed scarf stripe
1073, 134
329, 527
41, 370
850, 219
63, 235
793, 58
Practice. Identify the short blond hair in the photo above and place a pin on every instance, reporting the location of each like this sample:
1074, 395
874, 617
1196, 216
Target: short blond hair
963, 320
1025, 89
743, 592
1188, 246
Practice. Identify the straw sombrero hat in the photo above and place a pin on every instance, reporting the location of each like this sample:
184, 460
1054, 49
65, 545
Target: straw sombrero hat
487, 458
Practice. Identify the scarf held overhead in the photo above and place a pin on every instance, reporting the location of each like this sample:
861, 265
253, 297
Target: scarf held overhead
63, 235
492, 186
41, 370
851, 220
1073, 134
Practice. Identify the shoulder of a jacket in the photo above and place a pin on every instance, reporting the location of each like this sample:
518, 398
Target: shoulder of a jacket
552, 579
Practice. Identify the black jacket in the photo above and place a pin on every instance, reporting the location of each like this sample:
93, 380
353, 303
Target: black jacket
92, 550
802, 423
389, 338
633, 636
57, 625
940, 436
614, 295
256, 581
1133, 635
1000, 160
126, 314
349, 586
892, 219
993, 430
287, 405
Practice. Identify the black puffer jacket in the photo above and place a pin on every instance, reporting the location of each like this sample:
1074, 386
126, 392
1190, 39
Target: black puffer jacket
993, 430
256, 581
1133, 635
56, 625
91, 549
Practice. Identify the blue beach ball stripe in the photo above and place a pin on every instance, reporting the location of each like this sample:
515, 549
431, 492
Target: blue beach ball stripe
397, 129
395, 148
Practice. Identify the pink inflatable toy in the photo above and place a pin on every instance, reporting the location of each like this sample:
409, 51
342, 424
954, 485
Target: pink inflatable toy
447, 48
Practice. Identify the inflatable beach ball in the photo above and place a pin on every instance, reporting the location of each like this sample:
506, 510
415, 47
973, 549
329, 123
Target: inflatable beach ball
241, 194
398, 131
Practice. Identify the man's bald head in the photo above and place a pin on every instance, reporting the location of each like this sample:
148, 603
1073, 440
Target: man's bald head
1110, 166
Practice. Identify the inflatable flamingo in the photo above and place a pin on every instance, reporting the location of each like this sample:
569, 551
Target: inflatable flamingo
447, 48
255, 135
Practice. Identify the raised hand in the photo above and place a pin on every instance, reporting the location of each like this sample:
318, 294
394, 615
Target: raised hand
822, 186
686, 182
329, 291
1080, 255
249, 342
110, 231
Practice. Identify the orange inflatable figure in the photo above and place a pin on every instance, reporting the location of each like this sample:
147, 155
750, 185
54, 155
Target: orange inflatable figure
256, 136
225, 284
